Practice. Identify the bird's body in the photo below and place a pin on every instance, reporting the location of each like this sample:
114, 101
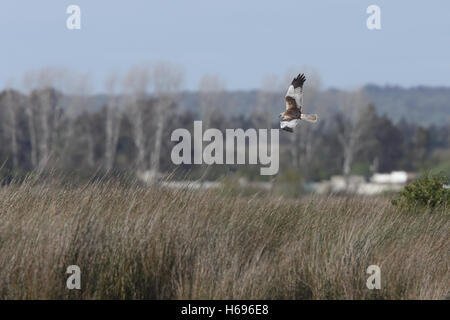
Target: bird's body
294, 103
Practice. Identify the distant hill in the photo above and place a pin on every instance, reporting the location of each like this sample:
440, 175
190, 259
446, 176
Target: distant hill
421, 105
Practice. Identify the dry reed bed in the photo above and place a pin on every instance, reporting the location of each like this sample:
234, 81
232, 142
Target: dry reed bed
133, 242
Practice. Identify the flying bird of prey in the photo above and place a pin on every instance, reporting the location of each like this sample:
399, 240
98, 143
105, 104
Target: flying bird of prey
294, 103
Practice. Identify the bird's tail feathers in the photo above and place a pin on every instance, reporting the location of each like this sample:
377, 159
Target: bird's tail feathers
309, 117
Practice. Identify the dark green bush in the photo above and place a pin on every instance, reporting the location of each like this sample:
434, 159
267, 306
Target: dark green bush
428, 191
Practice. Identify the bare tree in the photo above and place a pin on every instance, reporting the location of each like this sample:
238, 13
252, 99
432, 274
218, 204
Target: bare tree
211, 90
43, 111
136, 85
113, 119
32, 131
46, 101
167, 80
28, 83
351, 126
11, 105
67, 131
211, 95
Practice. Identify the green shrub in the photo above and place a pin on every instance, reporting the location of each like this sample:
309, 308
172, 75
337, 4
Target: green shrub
427, 191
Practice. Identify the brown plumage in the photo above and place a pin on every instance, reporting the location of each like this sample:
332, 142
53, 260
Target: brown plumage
292, 110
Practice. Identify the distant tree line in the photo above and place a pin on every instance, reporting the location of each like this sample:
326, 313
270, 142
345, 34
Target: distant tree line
44, 129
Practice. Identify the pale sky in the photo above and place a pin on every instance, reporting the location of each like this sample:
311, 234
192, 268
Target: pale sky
240, 40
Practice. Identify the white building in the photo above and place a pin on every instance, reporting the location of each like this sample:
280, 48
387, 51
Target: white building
379, 183
395, 177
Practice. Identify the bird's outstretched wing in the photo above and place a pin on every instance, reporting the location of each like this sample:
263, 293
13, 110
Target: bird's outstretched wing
294, 95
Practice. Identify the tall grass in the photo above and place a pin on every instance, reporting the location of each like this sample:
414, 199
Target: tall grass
134, 242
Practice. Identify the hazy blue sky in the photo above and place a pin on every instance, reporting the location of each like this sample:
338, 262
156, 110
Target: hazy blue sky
240, 40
